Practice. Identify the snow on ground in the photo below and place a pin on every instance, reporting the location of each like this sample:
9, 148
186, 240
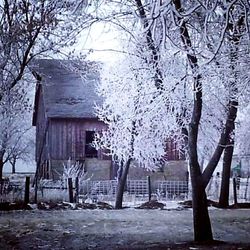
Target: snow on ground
116, 229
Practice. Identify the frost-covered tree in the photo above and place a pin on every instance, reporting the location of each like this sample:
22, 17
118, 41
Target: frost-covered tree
134, 109
243, 132
207, 34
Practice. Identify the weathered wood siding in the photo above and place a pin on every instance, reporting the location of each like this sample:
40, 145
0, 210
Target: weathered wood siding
95, 169
172, 151
172, 170
67, 137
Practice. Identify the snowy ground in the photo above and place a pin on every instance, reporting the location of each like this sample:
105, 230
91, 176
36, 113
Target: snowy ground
125, 229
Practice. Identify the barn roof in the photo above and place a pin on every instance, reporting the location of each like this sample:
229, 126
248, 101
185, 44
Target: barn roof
68, 92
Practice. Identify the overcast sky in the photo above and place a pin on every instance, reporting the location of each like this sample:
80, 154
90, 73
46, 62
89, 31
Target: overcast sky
103, 40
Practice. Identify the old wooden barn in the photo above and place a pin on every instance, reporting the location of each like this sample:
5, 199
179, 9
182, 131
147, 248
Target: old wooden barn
64, 119
65, 125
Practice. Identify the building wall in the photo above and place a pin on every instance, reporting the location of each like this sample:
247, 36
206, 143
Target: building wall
96, 169
67, 141
173, 170
173, 152
67, 137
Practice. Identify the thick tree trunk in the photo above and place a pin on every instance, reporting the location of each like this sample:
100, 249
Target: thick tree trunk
121, 185
201, 220
1, 169
1, 164
225, 181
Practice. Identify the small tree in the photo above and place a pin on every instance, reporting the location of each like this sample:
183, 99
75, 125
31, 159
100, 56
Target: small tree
74, 170
134, 109
14, 142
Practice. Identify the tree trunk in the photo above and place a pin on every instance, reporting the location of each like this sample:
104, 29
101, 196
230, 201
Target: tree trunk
13, 165
1, 164
121, 185
225, 181
13, 168
201, 220
224, 140
233, 101
233, 108
1, 169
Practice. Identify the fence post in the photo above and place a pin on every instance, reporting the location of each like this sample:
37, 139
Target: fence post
187, 183
76, 189
149, 188
235, 191
245, 195
35, 184
70, 186
27, 190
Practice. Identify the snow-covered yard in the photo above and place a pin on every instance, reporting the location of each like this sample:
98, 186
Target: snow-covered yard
124, 229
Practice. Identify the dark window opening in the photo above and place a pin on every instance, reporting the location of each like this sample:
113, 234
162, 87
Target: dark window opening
90, 151
173, 152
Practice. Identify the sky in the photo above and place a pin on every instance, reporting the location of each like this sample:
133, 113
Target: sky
103, 41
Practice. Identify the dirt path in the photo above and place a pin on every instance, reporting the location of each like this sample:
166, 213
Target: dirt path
126, 229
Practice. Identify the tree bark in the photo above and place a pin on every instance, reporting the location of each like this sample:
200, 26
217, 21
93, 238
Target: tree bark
13, 165
224, 140
1, 164
1, 169
121, 185
225, 181
201, 220
151, 46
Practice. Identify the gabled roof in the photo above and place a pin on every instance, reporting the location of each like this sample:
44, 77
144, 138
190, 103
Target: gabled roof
66, 92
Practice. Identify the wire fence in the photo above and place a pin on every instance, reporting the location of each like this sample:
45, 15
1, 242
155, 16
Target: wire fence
242, 189
174, 189
136, 189
11, 191
105, 190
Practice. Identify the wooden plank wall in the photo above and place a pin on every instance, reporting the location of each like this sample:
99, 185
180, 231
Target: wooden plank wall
67, 140
67, 137
172, 151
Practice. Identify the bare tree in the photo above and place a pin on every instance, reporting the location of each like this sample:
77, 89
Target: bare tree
30, 29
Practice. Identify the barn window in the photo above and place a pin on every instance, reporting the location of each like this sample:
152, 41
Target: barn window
90, 151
